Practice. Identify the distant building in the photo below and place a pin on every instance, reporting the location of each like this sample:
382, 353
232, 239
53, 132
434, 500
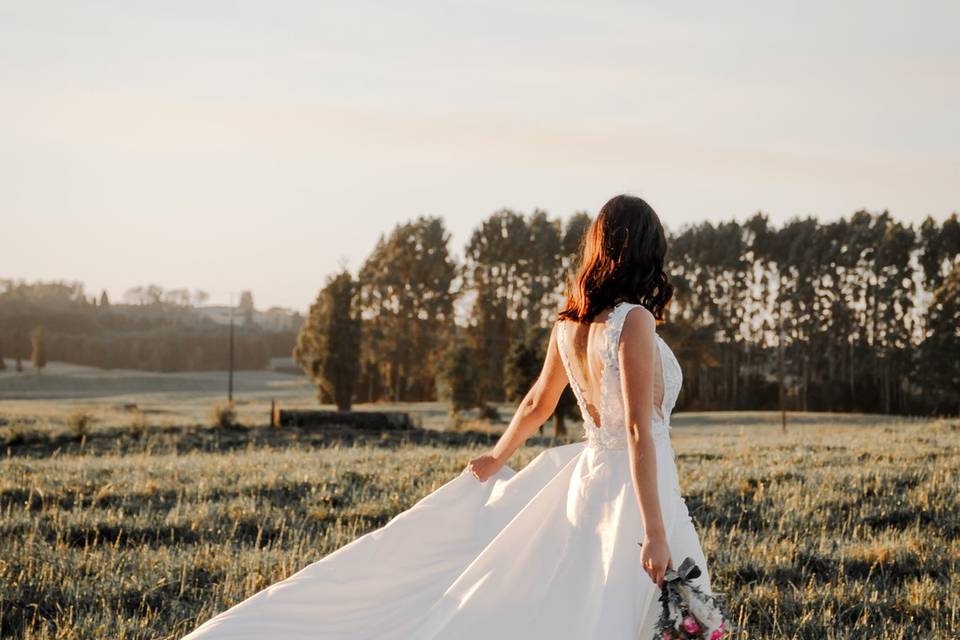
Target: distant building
219, 314
278, 319
285, 365
273, 319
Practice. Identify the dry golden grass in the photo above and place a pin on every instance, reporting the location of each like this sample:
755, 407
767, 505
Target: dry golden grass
841, 529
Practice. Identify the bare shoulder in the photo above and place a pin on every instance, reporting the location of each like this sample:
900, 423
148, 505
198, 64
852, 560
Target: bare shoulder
639, 332
639, 323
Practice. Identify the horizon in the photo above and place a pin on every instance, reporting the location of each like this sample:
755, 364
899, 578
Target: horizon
167, 145
117, 297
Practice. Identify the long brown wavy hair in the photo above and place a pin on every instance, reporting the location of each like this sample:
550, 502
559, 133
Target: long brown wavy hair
621, 260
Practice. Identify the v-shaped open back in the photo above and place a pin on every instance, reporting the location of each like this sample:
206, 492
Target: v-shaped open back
590, 355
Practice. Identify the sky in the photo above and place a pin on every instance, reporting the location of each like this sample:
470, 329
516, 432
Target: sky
240, 145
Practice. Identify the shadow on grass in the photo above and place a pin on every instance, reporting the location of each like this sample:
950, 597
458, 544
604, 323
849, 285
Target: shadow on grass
190, 438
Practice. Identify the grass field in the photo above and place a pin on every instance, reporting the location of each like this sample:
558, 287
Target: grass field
166, 399
843, 527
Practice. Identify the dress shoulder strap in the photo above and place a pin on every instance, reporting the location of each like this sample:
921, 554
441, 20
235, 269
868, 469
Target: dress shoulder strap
611, 409
618, 315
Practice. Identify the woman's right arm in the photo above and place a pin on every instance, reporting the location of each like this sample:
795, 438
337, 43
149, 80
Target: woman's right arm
537, 406
637, 354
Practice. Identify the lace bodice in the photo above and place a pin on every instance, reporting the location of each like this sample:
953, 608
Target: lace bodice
612, 433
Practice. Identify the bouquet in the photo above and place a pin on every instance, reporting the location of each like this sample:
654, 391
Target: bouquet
688, 613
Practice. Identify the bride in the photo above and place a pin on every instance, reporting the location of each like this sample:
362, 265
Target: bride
572, 546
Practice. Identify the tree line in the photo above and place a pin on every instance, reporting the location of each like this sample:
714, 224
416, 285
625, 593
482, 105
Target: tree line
865, 310
156, 330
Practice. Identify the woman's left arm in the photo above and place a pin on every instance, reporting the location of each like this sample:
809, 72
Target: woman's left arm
537, 407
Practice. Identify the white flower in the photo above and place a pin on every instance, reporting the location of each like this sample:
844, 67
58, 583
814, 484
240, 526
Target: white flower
675, 614
708, 614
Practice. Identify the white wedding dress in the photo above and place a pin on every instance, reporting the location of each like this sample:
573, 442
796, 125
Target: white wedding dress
549, 552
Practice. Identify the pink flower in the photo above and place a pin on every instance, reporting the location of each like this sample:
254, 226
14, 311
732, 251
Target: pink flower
690, 624
716, 635
667, 635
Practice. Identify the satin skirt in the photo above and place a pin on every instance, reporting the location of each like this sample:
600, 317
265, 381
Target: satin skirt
548, 552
